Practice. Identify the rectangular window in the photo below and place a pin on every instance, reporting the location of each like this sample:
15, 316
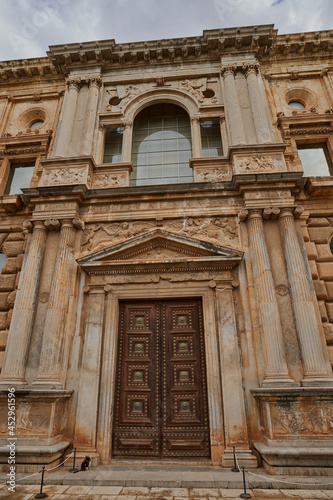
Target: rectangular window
211, 143
19, 177
113, 145
315, 160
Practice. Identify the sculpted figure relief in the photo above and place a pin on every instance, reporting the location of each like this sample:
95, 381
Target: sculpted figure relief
206, 228
109, 181
65, 176
99, 235
258, 164
302, 420
213, 175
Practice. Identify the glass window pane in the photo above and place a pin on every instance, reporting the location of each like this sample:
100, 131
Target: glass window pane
166, 131
20, 178
314, 161
211, 142
113, 145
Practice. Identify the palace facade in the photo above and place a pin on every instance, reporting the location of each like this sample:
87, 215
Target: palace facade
166, 227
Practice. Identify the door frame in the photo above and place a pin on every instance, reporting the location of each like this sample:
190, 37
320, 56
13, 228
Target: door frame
110, 352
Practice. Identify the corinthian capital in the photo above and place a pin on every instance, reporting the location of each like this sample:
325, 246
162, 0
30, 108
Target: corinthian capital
228, 70
74, 83
95, 82
250, 68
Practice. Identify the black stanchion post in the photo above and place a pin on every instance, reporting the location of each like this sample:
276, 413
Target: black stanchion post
244, 495
41, 494
235, 468
73, 471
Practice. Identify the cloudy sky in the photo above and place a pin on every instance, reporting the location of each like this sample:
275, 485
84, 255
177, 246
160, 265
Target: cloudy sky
28, 27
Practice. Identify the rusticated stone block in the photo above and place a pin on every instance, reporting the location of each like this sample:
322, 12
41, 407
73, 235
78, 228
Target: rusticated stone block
311, 250
324, 253
3, 339
318, 222
11, 299
19, 261
3, 301
7, 282
17, 280
329, 288
9, 318
325, 270
313, 269
13, 248
320, 289
2, 357
330, 353
329, 307
3, 320
328, 330
305, 233
323, 311
320, 234
15, 237
10, 266
3, 236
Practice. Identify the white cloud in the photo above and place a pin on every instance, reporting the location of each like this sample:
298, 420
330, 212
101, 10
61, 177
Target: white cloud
28, 27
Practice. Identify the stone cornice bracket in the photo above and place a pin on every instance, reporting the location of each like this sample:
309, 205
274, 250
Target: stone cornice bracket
271, 213
78, 223
52, 224
95, 82
228, 70
298, 212
74, 83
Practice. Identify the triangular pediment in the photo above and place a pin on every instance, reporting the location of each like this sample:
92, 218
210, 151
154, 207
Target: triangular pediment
159, 245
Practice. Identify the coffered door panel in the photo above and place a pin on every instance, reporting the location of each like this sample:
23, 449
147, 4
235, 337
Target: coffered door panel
137, 426
184, 395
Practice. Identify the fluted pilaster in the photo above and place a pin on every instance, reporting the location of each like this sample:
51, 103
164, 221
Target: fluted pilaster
258, 104
314, 362
196, 137
52, 345
233, 110
63, 140
271, 332
13, 370
91, 113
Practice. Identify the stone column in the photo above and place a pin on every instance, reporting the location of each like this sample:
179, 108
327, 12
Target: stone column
13, 370
233, 110
235, 425
89, 126
63, 139
87, 406
52, 345
196, 137
258, 104
271, 332
315, 368
126, 155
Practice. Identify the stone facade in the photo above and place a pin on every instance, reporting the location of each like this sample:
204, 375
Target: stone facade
250, 237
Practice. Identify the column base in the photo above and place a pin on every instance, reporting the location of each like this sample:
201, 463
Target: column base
281, 382
47, 384
244, 458
320, 381
5, 383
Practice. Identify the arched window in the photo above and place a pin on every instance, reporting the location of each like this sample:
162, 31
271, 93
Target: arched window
161, 146
2, 260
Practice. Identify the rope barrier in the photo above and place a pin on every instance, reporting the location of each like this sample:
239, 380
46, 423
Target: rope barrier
56, 467
287, 482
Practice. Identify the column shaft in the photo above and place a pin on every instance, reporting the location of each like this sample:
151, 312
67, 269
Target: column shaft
24, 309
126, 155
63, 140
196, 138
52, 345
258, 106
314, 362
272, 339
233, 109
89, 128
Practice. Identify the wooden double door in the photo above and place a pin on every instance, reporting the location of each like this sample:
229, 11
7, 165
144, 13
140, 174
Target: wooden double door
161, 396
